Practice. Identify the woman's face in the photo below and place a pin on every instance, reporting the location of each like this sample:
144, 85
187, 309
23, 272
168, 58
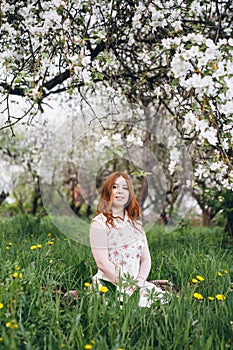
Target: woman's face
120, 193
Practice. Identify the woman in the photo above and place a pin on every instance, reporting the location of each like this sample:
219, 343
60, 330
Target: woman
118, 241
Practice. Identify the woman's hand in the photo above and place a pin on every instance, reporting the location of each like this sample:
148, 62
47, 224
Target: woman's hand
140, 281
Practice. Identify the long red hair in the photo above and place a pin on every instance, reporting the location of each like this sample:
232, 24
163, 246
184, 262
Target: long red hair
106, 198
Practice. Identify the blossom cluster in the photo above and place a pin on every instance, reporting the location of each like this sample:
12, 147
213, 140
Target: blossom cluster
144, 50
116, 140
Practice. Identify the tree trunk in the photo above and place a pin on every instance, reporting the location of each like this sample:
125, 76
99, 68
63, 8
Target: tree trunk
35, 203
143, 192
229, 225
206, 218
3, 196
37, 196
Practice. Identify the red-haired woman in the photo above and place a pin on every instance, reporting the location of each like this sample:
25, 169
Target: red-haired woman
118, 241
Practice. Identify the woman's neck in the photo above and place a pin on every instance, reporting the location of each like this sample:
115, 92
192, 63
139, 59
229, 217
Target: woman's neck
118, 212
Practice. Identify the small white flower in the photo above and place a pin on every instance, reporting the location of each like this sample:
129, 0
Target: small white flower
177, 25
179, 66
172, 167
116, 137
210, 135
214, 166
130, 138
86, 60
139, 142
105, 141
199, 172
201, 125
175, 155
86, 75
189, 122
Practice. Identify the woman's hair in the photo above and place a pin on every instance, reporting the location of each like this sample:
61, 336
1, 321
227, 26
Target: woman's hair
106, 199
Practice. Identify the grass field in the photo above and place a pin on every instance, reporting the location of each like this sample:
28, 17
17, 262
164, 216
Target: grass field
37, 263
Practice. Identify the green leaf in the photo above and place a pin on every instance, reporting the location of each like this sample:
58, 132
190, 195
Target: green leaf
175, 82
209, 343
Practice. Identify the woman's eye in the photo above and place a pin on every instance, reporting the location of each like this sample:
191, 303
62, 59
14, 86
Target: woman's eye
125, 188
114, 186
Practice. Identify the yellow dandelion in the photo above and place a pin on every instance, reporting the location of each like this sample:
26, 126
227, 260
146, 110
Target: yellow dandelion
87, 284
8, 248
194, 280
88, 346
1, 339
12, 325
10, 243
15, 275
51, 260
220, 297
219, 274
49, 234
20, 275
103, 289
50, 242
198, 296
17, 267
33, 247
225, 271
120, 349
1, 305
200, 278
211, 298
39, 246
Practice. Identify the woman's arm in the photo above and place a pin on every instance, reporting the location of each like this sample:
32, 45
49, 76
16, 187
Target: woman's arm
145, 266
99, 248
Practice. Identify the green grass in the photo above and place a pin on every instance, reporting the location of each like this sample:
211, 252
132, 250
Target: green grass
45, 321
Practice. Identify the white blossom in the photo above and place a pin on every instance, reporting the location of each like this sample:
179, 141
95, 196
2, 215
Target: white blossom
86, 76
189, 122
139, 142
104, 142
179, 66
117, 140
177, 25
172, 167
86, 60
130, 138
211, 135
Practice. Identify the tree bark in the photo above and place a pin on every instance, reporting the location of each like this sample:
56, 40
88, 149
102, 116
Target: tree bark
3, 196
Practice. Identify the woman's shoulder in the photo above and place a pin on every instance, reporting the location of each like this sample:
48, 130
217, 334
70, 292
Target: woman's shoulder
139, 225
100, 219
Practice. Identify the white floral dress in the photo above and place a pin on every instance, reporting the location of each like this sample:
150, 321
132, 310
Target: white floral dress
126, 242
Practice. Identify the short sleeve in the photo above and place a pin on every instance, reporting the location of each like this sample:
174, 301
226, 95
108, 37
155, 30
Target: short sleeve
101, 220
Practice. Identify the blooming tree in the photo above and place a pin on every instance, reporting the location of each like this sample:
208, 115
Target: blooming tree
20, 157
173, 53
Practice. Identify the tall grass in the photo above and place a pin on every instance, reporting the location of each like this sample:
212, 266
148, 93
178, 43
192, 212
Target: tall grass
34, 315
